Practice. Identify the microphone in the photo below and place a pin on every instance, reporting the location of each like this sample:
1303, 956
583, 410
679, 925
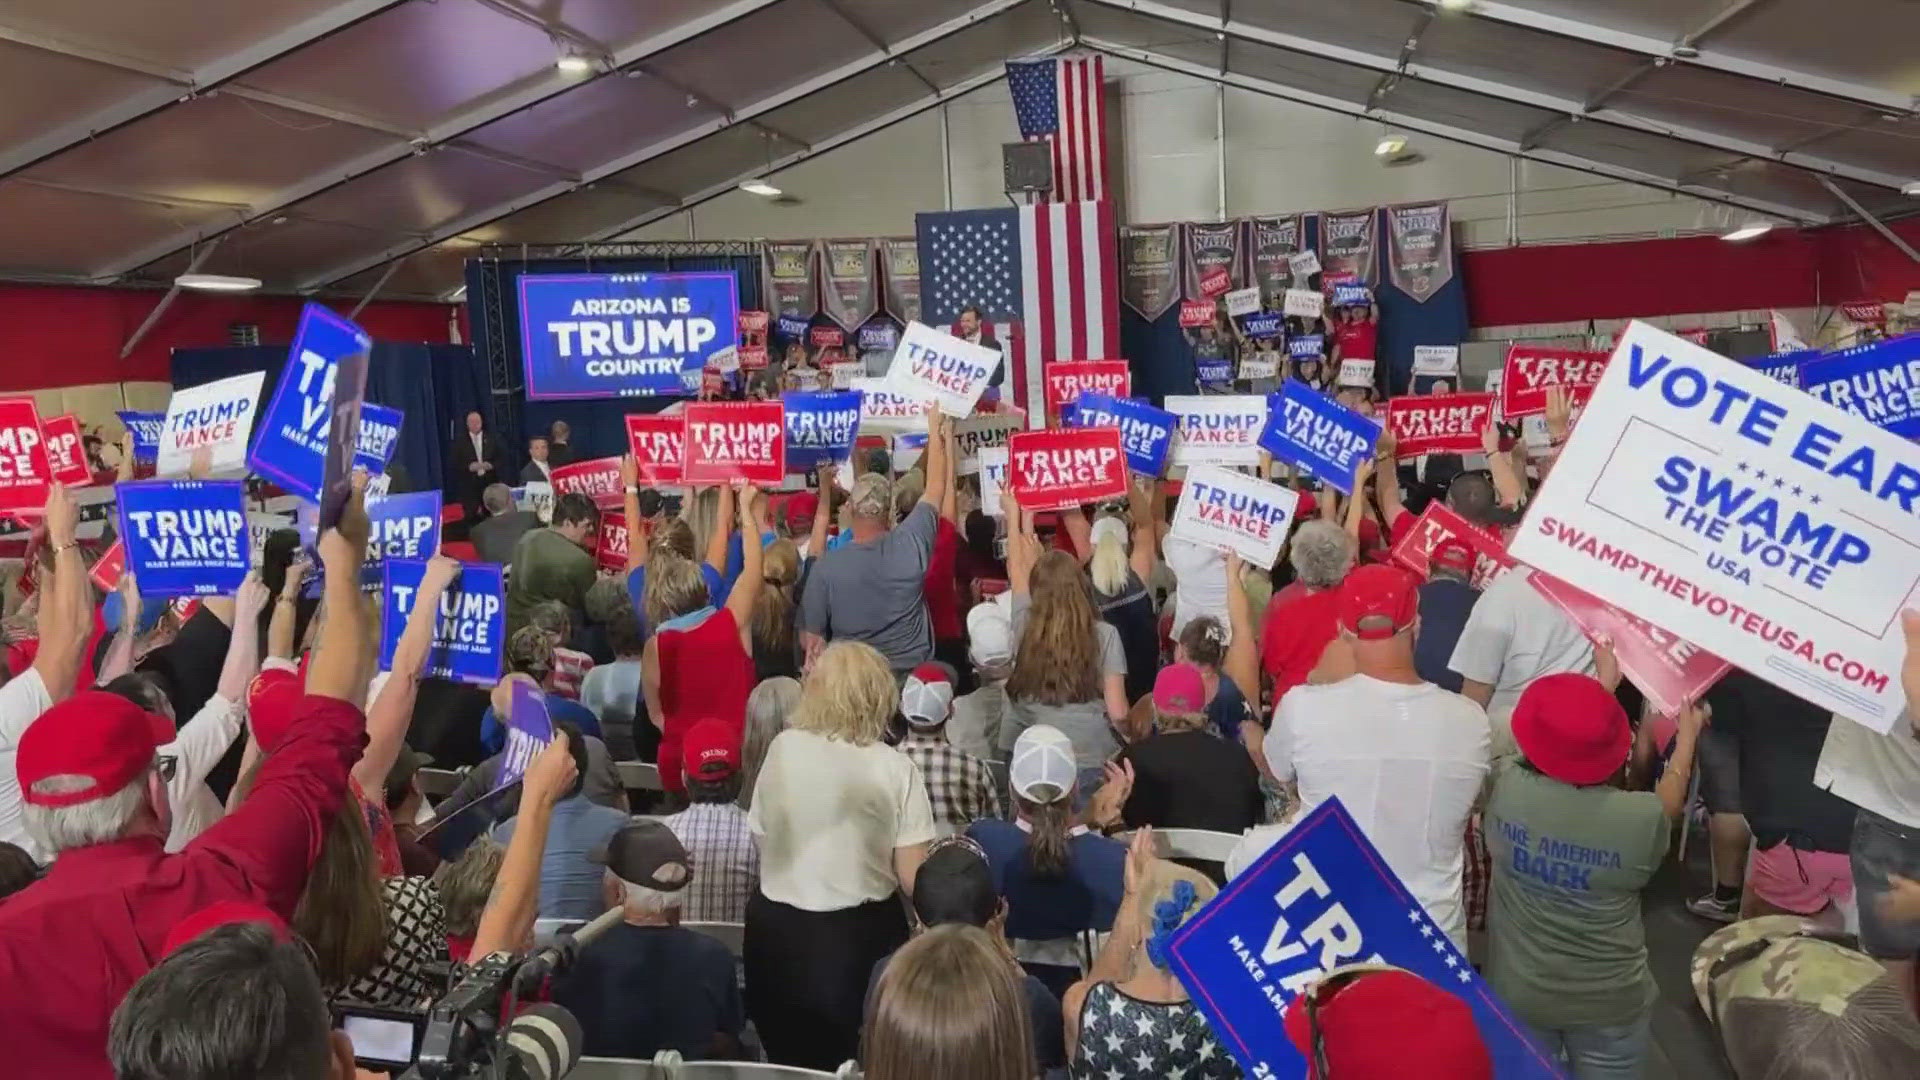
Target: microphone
544, 1043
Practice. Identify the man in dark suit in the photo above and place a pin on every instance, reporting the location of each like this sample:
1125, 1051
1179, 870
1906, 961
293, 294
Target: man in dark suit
477, 462
559, 445
972, 327
493, 538
538, 469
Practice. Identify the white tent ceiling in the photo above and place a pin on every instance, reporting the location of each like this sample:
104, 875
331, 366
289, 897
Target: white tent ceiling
371, 145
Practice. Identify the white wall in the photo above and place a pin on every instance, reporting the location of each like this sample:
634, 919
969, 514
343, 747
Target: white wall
1280, 157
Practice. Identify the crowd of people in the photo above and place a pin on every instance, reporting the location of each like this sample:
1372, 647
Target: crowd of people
912, 751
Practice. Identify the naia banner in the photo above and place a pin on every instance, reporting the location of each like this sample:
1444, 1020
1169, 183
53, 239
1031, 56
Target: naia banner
900, 259
849, 294
1348, 247
1053, 470
1149, 269
1419, 249
1274, 243
1234, 513
1761, 523
1213, 259
1670, 671
790, 284
1439, 424
622, 335
736, 442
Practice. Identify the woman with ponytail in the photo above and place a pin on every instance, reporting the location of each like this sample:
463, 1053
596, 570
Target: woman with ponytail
776, 641
1119, 549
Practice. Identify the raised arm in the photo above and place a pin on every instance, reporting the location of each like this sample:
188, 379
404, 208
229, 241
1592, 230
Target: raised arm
823, 514
508, 917
1357, 504
1674, 783
340, 665
722, 530
1510, 487
950, 500
66, 609
1386, 477
1142, 493
746, 587
1080, 531
119, 658
389, 714
630, 506
938, 465
286, 610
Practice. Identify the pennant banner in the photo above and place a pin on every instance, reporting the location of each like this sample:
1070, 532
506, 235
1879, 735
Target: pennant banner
1419, 249
821, 427
1235, 513
790, 282
1348, 247
1146, 433
185, 537
1273, 244
1212, 259
1307, 429
1440, 424
849, 294
1149, 268
1055, 470
216, 417
900, 258
736, 442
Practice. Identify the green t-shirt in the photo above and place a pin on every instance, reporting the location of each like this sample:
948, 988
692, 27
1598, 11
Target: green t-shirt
547, 566
1566, 945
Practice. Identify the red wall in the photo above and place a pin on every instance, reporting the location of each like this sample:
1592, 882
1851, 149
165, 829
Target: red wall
1785, 268
53, 336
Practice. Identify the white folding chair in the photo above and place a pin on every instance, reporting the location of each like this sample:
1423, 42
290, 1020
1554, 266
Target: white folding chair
639, 776
667, 1065
438, 783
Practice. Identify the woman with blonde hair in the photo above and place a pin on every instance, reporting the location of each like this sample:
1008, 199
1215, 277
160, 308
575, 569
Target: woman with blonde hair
843, 823
776, 638
1119, 550
949, 1005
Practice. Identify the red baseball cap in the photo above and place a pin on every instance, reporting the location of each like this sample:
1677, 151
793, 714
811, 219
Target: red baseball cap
222, 913
710, 750
1377, 601
1179, 689
1572, 728
100, 736
802, 506
273, 698
1452, 553
1433, 1030
1303, 510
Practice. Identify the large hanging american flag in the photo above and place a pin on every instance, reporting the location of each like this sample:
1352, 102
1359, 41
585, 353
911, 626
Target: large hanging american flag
1046, 277
1058, 101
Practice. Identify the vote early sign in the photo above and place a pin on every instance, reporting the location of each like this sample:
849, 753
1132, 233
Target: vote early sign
24, 469
1439, 424
658, 444
1761, 523
1234, 512
1146, 433
1319, 899
932, 365
470, 630
736, 442
1050, 470
622, 335
185, 537
1308, 429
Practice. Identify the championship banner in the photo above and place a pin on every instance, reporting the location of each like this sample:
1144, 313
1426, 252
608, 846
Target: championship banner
325, 377
610, 552
1195, 313
1303, 303
1242, 302
1068, 380
1149, 269
1419, 249
1321, 898
658, 445
1439, 424
883, 409
1441, 523
185, 537
379, 435
1355, 374
937, 367
145, 427
1273, 244
1065, 468
1348, 247
733, 442
622, 335
790, 284
1764, 525
821, 427
1531, 369
1442, 360
405, 526
1305, 428
1217, 429
977, 433
1212, 259
900, 259
849, 294
1234, 513
993, 479
1784, 368
1879, 383
66, 460
216, 417
1263, 325
109, 568
1669, 671
1864, 312
1307, 347
469, 635
598, 480
1146, 433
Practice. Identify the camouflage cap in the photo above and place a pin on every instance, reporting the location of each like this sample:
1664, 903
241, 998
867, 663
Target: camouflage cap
1739, 935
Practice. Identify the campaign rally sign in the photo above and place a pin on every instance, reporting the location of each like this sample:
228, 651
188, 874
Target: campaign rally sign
1878, 383
1214, 282
1439, 424
1304, 264
1322, 898
907, 451
145, 427
610, 552
25, 471
1784, 368
1195, 313
658, 444
469, 635
529, 730
1146, 433
1351, 294
66, 460
622, 335
379, 435
931, 365
877, 336
108, 569
976, 433
598, 480
1052, 470
405, 526
821, 427
1357, 374
1218, 429
1213, 370
260, 527
537, 497
993, 478
1766, 525
1669, 670
884, 409
216, 417
1067, 380
732, 442
1441, 523
326, 374
1531, 369
1436, 359
1234, 512
185, 537
1262, 326
791, 327
1308, 429
1261, 365
1307, 346
1304, 303
1242, 301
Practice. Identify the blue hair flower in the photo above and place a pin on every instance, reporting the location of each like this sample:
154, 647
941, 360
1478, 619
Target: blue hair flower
1167, 916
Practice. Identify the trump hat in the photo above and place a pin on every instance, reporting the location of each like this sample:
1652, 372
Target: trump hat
101, 739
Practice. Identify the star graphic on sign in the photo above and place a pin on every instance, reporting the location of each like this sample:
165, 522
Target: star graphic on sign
1413, 916
1452, 961
1815, 498
1440, 947
1759, 474
1798, 491
1465, 975
1426, 931
1779, 484
1740, 465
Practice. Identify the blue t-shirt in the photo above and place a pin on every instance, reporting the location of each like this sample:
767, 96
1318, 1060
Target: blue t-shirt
1444, 607
638, 990
1228, 710
569, 881
493, 734
736, 560
637, 591
1046, 908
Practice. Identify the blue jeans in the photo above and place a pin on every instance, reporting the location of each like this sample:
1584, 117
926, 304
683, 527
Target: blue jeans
1596, 1052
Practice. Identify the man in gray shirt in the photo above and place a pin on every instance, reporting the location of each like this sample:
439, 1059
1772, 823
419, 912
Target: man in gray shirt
873, 588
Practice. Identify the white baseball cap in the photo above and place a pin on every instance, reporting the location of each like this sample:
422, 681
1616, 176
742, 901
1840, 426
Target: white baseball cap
926, 698
989, 633
1043, 768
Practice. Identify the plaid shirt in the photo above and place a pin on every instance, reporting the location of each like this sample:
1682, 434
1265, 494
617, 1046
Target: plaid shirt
726, 861
959, 786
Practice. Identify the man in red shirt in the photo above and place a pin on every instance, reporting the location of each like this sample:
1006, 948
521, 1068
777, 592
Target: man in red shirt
1297, 629
95, 791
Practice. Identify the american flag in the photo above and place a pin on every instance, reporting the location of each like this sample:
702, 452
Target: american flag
1044, 276
1057, 101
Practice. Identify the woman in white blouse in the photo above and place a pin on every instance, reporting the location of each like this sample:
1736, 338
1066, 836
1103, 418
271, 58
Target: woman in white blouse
843, 823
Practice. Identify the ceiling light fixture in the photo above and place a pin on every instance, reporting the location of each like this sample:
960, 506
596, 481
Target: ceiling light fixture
1912, 188
1390, 145
217, 282
759, 187
1456, 5
1747, 231
572, 63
